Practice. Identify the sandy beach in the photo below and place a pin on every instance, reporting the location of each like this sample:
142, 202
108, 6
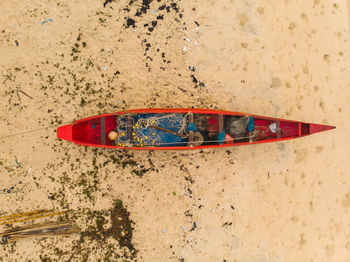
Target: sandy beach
284, 201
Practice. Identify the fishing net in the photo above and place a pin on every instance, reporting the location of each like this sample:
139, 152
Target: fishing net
141, 129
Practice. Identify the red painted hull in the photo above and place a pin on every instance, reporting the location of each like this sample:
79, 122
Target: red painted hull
93, 131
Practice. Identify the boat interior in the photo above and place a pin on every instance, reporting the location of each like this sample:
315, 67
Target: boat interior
183, 129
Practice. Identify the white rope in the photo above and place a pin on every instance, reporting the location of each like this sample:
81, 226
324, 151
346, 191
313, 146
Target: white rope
184, 123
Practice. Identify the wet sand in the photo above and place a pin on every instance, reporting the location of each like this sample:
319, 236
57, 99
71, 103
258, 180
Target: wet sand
287, 201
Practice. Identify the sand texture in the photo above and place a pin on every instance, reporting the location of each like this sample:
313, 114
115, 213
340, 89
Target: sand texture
286, 201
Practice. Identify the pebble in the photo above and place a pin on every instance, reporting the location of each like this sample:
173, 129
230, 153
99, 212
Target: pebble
195, 43
187, 39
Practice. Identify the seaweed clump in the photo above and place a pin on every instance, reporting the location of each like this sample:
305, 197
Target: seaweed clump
121, 227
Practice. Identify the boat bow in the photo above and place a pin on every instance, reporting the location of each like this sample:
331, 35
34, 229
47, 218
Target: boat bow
315, 128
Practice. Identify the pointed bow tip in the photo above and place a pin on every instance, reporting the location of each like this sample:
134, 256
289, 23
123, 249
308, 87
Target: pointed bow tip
315, 128
65, 132
325, 127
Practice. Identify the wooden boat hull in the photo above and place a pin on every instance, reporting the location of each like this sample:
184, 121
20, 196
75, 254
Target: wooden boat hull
93, 131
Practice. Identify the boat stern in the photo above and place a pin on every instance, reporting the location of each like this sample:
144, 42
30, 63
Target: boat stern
65, 132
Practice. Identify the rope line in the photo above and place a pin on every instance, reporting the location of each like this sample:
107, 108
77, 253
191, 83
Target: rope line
31, 131
253, 135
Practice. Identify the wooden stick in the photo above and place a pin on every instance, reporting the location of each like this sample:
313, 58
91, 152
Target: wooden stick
38, 230
24, 214
24, 93
168, 131
32, 217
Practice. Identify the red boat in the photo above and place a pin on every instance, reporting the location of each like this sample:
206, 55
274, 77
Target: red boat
164, 129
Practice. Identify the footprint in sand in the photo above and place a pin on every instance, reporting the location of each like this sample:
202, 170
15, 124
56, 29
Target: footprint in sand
301, 155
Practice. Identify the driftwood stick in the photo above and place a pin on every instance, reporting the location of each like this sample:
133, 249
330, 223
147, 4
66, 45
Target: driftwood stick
24, 93
168, 131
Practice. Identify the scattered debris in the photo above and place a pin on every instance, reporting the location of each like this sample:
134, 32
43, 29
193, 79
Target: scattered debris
48, 20
17, 162
226, 224
10, 190
130, 23
107, 2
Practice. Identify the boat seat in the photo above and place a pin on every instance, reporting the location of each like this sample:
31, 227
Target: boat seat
221, 123
190, 134
129, 125
278, 129
103, 130
216, 123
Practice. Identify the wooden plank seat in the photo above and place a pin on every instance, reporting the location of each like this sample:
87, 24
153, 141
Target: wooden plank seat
190, 133
103, 131
278, 129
